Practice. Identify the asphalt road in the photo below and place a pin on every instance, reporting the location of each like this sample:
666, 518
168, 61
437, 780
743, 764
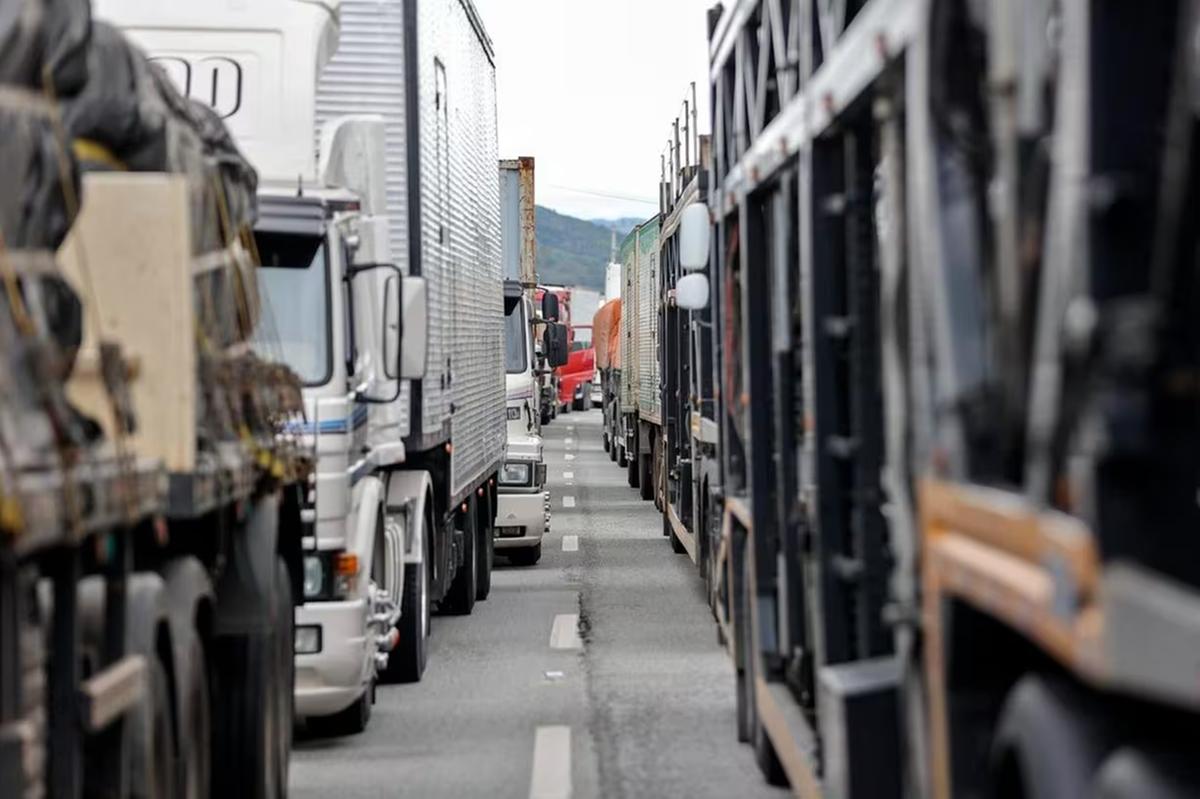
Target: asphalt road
595, 673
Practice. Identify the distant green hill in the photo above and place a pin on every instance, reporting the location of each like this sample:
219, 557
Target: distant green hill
623, 225
571, 251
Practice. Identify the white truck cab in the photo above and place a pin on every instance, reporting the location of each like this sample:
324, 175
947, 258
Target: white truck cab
522, 504
349, 323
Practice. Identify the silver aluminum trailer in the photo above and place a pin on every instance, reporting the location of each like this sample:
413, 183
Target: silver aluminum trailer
427, 68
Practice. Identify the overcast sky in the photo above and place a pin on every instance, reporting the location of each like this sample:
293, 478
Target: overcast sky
590, 88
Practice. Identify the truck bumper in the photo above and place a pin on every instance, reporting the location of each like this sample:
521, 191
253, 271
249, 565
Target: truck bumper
330, 680
521, 519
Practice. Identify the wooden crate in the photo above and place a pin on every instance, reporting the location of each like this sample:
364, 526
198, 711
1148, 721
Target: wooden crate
130, 259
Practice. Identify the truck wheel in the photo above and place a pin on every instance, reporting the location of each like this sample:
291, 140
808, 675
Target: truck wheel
746, 715
285, 672
246, 741
152, 772
1131, 773
351, 721
633, 472
645, 477
1047, 744
487, 545
545, 416
676, 545
150, 732
460, 599
526, 556
407, 661
195, 738
748, 720
604, 439
622, 456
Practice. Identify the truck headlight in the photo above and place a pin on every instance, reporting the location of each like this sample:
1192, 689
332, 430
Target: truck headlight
516, 474
314, 576
330, 575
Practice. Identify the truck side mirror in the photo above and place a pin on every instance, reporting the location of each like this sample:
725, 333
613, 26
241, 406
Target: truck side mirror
415, 316
691, 292
695, 234
391, 318
550, 306
555, 345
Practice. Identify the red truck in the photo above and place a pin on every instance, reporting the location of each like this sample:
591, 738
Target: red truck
574, 381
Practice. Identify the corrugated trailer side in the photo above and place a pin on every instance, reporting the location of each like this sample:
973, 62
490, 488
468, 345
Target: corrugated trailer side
437, 98
649, 400
463, 394
366, 76
629, 325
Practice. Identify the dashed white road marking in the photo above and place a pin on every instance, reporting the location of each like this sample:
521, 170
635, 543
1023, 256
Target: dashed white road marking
568, 475
570, 543
565, 632
568, 501
551, 778
570, 442
569, 457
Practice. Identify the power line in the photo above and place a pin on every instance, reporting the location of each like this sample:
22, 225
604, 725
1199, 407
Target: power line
606, 195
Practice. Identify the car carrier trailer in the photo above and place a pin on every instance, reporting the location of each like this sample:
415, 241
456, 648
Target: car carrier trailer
950, 265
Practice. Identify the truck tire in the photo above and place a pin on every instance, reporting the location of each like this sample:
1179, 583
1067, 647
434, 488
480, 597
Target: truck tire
351, 721
545, 413
604, 440
526, 556
1047, 745
645, 476
622, 457
245, 718
632, 464
487, 545
407, 661
150, 731
676, 545
195, 734
746, 711
257, 672
285, 673
460, 598
189, 597
152, 759
748, 721
1131, 773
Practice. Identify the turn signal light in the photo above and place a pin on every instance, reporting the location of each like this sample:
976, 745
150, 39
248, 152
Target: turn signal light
346, 564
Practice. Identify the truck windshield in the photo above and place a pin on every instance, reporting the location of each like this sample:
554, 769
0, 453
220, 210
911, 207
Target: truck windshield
295, 323
516, 341
583, 339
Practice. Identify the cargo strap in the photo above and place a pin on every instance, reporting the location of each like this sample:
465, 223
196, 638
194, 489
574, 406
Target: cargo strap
96, 153
25, 101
